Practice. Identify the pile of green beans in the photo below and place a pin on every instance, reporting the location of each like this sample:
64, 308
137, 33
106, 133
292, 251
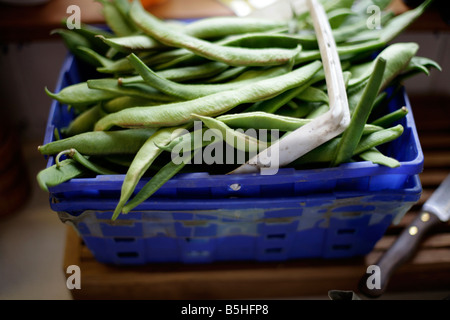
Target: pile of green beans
156, 78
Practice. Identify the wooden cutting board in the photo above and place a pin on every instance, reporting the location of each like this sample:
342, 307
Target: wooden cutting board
429, 270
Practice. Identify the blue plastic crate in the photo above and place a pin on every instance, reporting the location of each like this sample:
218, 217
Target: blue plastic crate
199, 217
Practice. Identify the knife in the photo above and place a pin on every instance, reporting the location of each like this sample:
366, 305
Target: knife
436, 210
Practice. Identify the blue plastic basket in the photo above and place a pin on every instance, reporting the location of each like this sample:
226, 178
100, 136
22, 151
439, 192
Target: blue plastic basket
199, 217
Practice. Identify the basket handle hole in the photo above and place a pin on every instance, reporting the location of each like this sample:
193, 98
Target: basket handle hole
276, 236
127, 254
346, 231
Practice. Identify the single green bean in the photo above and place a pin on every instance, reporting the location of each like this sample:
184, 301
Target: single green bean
212, 105
193, 91
81, 94
229, 55
126, 141
263, 120
313, 94
237, 139
116, 19
375, 156
183, 74
325, 152
318, 111
156, 182
272, 105
138, 90
55, 175
148, 152
354, 132
84, 122
124, 102
74, 41
78, 157
229, 74
390, 118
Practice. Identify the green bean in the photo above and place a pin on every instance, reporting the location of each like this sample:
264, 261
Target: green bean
318, 111
116, 20
193, 91
212, 105
249, 41
325, 152
138, 90
187, 142
337, 17
263, 120
397, 56
55, 175
142, 161
229, 55
390, 118
81, 94
313, 94
144, 42
300, 110
85, 121
377, 157
228, 74
156, 182
91, 34
78, 157
102, 61
133, 43
124, 102
100, 143
275, 103
202, 29
73, 41
377, 138
183, 74
353, 133
218, 27
234, 138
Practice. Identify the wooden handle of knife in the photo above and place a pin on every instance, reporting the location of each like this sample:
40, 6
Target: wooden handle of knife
400, 252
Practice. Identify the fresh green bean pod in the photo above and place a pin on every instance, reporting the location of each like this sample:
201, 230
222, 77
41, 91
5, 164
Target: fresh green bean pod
193, 91
148, 152
212, 105
354, 132
126, 141
325, 152
183, 74
234, 138
390, 118
263, 120
81, 94
85, 121
375, 156
85, 162
157, 181
229, 55
138, 90
55, 175
124, 102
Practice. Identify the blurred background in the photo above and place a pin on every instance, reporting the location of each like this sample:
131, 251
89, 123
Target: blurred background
32, 238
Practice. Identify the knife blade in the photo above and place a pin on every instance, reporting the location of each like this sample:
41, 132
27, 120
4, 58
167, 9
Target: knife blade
435, 210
